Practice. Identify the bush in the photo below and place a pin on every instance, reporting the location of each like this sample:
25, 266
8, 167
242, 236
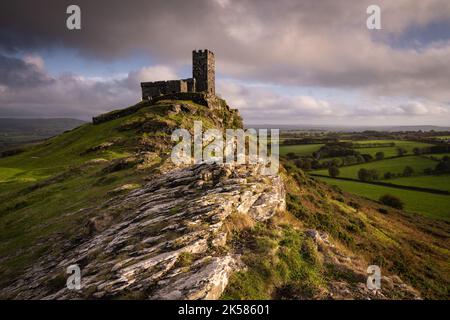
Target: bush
388, 175
354, 205
443, 166
366, 158
408, 171
401, 151
333, 171
391, 201
379, 155
291, 155
367, 175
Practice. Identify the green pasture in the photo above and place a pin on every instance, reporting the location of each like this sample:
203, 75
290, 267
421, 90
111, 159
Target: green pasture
301, 149
440, 182
390, 151
394, 165
428, 204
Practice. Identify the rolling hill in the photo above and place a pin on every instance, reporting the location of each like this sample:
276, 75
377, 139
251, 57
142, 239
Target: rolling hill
107, 197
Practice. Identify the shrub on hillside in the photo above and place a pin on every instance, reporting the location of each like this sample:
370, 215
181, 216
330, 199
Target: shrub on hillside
333, 171
291, 155
366, 158
408, 171
388, 175
367, 175
401, 151
391, 201
379, 155
443, 166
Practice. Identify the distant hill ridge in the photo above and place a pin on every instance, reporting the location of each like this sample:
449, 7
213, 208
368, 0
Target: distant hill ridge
56, 125
15, 132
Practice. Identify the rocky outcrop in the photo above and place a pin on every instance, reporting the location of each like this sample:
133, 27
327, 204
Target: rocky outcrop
165, 240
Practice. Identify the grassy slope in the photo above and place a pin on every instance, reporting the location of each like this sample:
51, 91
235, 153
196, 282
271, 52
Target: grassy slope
282, 262
48, 190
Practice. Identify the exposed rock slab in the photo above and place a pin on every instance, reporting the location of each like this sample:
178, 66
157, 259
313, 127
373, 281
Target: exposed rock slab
162, 241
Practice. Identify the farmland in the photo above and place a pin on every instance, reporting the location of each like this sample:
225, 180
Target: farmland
304, 149
440, 182
428, 204
394, 165
439, 155
428, 199
389, 151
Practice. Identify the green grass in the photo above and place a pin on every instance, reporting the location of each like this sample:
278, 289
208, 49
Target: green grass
308, 149
391, 151
441, 182
280, 265
301, 149
61, 152
395, 165
438, 155
432, 205
8, 174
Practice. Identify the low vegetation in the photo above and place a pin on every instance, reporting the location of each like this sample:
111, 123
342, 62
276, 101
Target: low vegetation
284, 263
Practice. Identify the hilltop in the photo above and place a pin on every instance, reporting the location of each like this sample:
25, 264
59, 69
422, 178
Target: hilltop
107, 197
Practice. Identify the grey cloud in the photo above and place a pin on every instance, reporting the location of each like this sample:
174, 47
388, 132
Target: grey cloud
286, 42
19, 73
30, 91
262, 104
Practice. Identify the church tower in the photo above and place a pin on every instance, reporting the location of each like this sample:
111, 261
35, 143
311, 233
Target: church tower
203, 71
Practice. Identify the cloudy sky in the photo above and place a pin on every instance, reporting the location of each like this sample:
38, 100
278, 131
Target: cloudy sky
283, 62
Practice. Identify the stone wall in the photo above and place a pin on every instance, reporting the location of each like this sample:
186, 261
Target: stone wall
203, 78
157, 88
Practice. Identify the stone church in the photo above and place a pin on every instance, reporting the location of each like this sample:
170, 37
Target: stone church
203, 78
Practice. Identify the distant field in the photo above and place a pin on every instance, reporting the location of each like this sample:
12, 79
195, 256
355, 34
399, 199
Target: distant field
439, 155
329, 159
428, 204
16, 132
388, 151
302, 149
395, 165
391, 151
441, 182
